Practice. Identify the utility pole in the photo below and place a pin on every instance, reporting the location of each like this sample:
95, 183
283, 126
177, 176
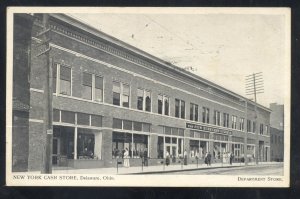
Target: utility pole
246, 135
254, 86
44, 35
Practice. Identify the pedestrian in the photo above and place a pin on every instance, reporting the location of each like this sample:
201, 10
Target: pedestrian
126, 158
231, 158
209, 158
167, 158
145, 156
185, 157
205, 158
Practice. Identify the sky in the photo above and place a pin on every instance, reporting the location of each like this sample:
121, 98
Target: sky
222, 48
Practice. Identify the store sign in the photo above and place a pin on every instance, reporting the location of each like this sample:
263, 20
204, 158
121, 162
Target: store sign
206, 128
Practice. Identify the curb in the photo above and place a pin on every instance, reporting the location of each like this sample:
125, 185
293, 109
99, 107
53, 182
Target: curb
178, 170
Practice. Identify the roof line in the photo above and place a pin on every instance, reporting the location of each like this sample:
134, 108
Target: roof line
92, 30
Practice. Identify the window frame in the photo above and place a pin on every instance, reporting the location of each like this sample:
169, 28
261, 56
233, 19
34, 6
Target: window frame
217, 118
234, 122
205, 115
163, 108
144, 97
122, 94
195, 109
58, 79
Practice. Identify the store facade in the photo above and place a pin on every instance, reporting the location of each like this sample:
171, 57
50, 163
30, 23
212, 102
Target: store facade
109, 96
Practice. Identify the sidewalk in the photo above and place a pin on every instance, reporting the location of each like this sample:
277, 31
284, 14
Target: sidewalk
146, 170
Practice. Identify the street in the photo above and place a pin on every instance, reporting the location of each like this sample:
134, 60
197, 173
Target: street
276, 169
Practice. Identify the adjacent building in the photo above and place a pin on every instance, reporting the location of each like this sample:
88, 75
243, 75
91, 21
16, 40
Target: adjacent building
21, 96
109, 96
277, 132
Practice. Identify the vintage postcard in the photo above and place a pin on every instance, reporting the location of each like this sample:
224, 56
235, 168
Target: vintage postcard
164, 97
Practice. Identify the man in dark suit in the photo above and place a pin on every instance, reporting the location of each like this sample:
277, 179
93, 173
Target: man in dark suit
145, 156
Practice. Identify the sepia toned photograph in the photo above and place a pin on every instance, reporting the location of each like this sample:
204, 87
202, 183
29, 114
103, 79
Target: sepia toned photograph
189, 97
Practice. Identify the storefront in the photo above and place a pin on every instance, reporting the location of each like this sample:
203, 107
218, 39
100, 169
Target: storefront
131, 135
220, 146
237, 148
171, 142
76, 136
199, 144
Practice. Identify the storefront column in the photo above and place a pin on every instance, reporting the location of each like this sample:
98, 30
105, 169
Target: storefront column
230, 144
106, 153
98, 144
186, 142
148, 145
268, 153
132, 145
164, 147
75, 143
211, 144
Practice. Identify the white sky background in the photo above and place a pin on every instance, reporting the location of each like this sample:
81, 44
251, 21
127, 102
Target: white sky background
224, 48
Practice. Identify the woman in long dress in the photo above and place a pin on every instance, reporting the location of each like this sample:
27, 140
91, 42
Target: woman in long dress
126, 158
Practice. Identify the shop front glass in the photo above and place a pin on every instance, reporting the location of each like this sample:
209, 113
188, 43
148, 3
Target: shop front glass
135, 143
198, 148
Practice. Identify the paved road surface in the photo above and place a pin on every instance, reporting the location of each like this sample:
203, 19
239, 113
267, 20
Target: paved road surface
250, 170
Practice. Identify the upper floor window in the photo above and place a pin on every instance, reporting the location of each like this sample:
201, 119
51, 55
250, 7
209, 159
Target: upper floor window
179, 108
121, 94
62, 79
163, 105
144, 100
261, 129
217, 118
248, 125
254, 127
92, 87
242, 121
193, 112
87, 86
267, 129
98, 92
225, 119
233, 121
205, 115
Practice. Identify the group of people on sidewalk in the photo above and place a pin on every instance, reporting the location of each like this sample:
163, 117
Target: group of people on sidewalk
126, 157
227, 158
168, 158
207, 159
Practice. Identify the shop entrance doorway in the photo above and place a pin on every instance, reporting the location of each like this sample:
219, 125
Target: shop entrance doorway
172, 149
55, 150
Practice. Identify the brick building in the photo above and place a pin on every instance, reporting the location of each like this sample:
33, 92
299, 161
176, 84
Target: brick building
109, 96
277, 132
21, 96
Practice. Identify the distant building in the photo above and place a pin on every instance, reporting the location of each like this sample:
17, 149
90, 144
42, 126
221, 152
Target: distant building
277, 132
108, 96
277, 116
